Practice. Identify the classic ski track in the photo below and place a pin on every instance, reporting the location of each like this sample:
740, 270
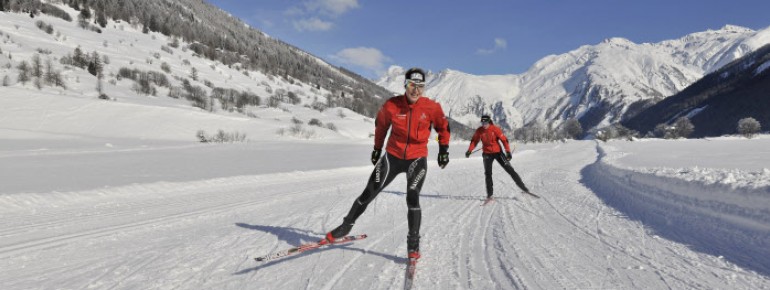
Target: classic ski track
75, 215
464, 211
103, 231
351, 262
202, 200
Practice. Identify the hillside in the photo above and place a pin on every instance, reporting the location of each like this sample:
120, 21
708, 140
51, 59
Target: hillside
147, 77
717, 102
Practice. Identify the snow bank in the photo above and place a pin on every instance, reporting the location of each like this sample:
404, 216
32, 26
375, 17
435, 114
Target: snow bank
725, 213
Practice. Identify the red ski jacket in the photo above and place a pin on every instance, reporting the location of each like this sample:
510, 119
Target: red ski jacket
489, 139
410, 126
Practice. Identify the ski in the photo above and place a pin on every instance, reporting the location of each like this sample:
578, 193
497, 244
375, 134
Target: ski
532, 194
307, 247
411, 268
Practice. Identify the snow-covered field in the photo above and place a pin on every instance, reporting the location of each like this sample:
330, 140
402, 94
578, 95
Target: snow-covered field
166, 215
120, 195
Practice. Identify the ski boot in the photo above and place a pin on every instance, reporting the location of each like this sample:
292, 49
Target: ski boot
413, 247
338, 232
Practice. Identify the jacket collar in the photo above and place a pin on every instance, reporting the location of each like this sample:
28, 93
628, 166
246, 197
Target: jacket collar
404, 100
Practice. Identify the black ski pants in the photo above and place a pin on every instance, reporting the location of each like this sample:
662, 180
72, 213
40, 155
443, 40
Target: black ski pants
500, 157
384, 172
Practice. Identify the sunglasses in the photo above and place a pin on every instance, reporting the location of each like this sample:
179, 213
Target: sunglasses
414, 84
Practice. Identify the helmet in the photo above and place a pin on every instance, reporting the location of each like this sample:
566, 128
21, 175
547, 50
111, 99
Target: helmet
486, 119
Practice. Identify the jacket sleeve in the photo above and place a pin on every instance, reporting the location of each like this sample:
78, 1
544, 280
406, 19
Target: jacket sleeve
441, 126
474, 140
381, 126
502, 138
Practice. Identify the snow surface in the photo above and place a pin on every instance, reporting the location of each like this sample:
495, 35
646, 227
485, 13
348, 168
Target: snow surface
119, 195
155, 218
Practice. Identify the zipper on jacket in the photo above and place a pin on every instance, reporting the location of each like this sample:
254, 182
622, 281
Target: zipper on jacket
408, 130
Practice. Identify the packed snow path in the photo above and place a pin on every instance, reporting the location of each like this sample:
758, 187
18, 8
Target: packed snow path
203, 234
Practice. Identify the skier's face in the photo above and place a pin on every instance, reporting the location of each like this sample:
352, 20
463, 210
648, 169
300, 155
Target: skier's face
485, 125
414, 91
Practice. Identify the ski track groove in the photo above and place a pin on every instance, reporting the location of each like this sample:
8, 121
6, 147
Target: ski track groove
146, 206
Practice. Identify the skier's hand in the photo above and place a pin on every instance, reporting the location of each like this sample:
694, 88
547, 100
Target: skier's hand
508, 156
443, 156
376, 153
443, 159
468, 154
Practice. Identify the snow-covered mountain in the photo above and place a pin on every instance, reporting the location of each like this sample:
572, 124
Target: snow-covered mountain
716, 103
597, 84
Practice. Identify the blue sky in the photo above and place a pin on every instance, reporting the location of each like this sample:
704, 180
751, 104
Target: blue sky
483, 38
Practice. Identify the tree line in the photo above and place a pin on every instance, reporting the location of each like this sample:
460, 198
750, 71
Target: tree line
215, 35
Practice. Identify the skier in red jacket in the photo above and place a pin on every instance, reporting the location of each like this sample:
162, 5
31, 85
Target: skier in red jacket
489, 134
409, 117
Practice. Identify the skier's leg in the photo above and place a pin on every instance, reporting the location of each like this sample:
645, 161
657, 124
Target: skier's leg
488, 173
382, 175
415, 177
509, 168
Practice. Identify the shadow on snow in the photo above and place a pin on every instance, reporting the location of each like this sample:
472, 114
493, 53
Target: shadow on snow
295, 237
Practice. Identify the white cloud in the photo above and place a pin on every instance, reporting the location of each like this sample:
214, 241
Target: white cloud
365, 57
312, 24
500, 44
334, 7
312, 11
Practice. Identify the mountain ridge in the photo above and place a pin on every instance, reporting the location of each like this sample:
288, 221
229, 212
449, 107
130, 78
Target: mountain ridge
597, 84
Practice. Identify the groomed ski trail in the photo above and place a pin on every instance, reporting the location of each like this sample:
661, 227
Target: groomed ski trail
204, 234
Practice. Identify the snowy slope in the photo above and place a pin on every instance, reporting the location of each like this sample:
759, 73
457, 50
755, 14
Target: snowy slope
126, 47
607, 77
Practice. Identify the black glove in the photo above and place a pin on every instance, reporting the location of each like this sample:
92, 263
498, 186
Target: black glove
443, 156
508, 156
468, 154
376, 156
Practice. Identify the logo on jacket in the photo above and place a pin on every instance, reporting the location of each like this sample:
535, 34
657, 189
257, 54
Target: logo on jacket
423, 117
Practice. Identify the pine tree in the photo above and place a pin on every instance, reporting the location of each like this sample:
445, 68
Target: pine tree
95, 64
78, 58
49, 73
23, 72
37, 67
101, 19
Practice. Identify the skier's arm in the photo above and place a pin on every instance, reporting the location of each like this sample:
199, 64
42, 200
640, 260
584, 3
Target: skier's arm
474, 141
441, 125
442, 128
503, 139
381, 126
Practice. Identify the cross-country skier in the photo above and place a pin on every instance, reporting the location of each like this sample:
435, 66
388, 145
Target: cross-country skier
409, 117
489, 134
